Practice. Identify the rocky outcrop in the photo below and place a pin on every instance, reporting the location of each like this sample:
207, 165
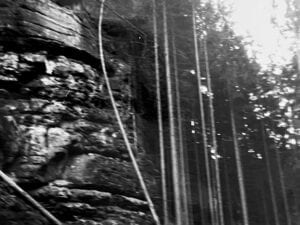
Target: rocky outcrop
15, 210
58, 136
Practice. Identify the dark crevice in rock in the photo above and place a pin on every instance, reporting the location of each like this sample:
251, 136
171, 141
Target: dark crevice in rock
9, 86
32, 185
54, 168
115, 30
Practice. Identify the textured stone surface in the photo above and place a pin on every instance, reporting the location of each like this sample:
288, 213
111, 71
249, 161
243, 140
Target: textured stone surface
15, 211
59, 125
58, 135
59, 138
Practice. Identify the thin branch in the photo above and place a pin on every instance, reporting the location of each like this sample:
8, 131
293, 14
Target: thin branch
120, 123
27, 197
160, 120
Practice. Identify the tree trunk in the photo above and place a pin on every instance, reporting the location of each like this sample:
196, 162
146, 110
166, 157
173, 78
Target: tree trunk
238, 162
160, 120
174, 155
212, 206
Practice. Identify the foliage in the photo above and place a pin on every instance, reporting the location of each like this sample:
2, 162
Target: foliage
263, 102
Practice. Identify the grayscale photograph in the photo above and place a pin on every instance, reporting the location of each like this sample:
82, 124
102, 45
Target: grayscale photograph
150, 112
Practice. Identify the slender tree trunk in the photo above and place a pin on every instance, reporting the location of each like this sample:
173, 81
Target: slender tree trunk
297, 102
213, 134
265, 207
180, 136
238, 162
283, 189
175, 170
269, 172
297, 91
228, 192
212, 208
29, 199
160, 120
199, 180
283, 186
191, 149
120, 123
296, 107
188, 187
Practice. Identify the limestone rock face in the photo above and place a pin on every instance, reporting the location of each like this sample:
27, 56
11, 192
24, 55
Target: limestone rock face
59, 138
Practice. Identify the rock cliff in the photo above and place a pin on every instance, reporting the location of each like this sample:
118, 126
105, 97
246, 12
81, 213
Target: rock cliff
59, 139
